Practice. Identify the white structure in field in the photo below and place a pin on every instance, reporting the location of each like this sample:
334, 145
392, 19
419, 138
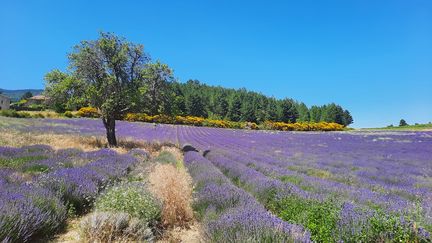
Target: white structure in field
4, 102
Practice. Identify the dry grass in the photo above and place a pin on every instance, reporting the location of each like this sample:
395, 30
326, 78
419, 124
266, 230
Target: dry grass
15, 138
57, 141
193, 234
46, 113
113, 227
174, 188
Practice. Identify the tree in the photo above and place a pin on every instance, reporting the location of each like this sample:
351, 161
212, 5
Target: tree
333, 113
248, 111
26, 95
65, 91
178, 100
195, 105
315, 113
260, 105
221, 105
303, 111
156, 88
112, 71
403, 123
272, 110
289, 111
234, 111
347, 118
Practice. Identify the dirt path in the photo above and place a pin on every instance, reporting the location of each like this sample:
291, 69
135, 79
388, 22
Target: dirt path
71, 234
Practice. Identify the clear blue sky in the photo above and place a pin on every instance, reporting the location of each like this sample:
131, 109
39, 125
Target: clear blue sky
372, 57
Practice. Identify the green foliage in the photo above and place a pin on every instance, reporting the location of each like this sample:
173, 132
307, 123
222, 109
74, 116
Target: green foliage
107, 74
65, 91
68, 114
195, 105
26, 95
320, 218
248, 112
315, 114
36, 168
303, 111
220, 104
289, 113
403, 123
408, 127
234, 111
133, 199
166, 157
14, 113
323, 219
155, 92
19, 161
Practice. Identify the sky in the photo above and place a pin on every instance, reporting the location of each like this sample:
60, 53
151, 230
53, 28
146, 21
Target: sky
374, 58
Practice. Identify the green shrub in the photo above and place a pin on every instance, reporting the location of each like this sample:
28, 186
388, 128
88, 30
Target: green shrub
166, 157
14, 113
35, 107
68, 114
327, 221
320, 218
133, 199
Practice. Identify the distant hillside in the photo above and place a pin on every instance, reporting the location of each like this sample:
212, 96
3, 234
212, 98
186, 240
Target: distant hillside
427, 126
15, 95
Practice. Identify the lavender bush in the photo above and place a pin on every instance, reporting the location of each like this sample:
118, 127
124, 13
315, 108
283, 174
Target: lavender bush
34, 204
231, 214
27, 210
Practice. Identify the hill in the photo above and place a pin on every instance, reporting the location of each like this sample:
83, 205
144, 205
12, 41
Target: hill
15, 95
427, 126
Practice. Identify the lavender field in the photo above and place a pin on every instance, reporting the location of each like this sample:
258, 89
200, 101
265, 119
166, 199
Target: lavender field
257, 186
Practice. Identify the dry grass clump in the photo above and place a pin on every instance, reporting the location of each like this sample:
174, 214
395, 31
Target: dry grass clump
57, 141
174, 188
113, 227
14, 138
46, 114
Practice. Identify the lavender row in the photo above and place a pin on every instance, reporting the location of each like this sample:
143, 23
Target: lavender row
232, 215
350, 221
33, 205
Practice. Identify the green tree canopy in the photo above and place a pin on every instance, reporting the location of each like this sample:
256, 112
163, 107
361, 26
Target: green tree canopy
26, 95
234, 110
110, 70
155, 90
289, 111
303, 111
65, 91
195, 105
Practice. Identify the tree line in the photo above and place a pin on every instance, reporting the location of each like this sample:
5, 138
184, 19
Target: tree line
118, 77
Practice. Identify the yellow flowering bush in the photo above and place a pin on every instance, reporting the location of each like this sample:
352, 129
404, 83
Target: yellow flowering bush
88, 112
303, 126
199, 121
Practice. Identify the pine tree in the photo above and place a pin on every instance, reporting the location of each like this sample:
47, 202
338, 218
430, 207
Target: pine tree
234, 111
289, 111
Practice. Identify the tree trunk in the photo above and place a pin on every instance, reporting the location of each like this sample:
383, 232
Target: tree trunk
109, 123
